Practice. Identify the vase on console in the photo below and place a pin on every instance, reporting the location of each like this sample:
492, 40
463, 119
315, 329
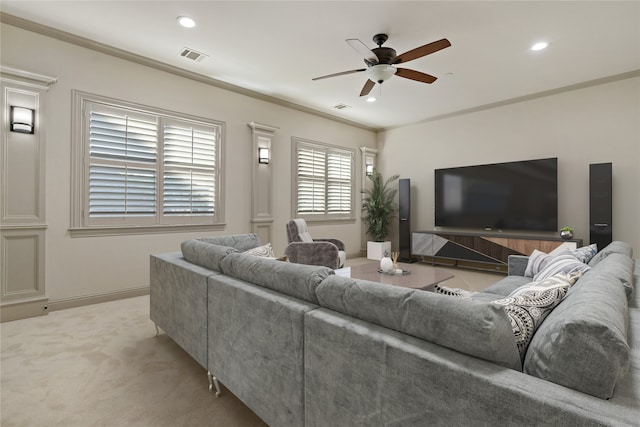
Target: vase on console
566, 233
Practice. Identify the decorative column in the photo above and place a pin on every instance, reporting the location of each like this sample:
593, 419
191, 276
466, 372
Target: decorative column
262, 184
368, 163
22, 199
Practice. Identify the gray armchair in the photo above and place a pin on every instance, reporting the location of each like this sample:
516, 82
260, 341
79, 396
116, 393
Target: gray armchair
303, 249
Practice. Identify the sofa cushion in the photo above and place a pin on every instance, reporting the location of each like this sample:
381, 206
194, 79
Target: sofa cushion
615, 247
454, 292
530, 304
559, 280
297, 280
621, 266
585, 253
582, 344
241, 242
205, 254
473, 327
564, 263
263, 251
537, 261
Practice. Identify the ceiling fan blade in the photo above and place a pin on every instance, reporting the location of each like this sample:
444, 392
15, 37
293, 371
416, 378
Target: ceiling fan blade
415, 75
340, 74
363, 50
421, 51
367, 87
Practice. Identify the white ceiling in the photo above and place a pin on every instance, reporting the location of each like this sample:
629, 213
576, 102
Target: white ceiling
276, 48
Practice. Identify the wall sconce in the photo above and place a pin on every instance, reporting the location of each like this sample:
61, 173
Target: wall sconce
369, 170
263, 156
22, 119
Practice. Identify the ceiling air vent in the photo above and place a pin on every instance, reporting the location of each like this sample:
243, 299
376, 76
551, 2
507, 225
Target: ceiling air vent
341, 106
192, 54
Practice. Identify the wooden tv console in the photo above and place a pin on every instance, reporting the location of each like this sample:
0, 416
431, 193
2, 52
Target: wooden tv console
483, 251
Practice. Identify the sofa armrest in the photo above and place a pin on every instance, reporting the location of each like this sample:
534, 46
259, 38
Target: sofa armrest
336, 242
313, 253
517, 264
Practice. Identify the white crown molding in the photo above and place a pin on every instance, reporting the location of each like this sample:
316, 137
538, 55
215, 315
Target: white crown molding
128, 56
26, 78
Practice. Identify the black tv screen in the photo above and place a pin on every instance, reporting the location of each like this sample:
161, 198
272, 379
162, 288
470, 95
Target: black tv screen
502, 196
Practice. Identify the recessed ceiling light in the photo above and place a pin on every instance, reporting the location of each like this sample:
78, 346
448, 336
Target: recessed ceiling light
539, 46
371, 99
186, 22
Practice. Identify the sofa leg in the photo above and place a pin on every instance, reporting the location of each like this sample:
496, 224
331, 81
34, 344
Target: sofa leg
213, 382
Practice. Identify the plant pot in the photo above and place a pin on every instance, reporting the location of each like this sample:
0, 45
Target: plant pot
566, 234
376, 250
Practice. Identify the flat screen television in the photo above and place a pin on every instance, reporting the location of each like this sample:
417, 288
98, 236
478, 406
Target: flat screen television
501, 196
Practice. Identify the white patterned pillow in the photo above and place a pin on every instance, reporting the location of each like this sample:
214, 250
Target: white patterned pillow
261, 251
585, 253
531, 306
564, 263
537, 261
559, 280
454, 292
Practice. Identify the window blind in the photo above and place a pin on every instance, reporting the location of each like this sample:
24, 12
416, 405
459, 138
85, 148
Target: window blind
144, 168
324, 181
122, 176
189, 171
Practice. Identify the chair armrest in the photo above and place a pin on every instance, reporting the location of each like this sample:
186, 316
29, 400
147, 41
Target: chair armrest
517, 264
336, 242
313, 253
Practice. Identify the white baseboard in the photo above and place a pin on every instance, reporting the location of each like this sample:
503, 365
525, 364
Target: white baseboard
79, 301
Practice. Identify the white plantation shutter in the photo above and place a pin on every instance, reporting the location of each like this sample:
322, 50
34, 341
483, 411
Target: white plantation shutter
311, 181
146, 168
324, 181
339, 183
117, 191
122, 175
189, 171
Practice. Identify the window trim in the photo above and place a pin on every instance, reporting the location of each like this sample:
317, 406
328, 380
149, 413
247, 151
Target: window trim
79, 226
326, 217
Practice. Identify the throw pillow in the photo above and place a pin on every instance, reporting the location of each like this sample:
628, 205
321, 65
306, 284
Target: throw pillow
537, 261
564, 263
261, 251
585, 253
527, 311
559, 280
454, 292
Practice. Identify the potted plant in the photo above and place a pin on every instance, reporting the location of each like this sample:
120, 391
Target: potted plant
378, 207
566, 233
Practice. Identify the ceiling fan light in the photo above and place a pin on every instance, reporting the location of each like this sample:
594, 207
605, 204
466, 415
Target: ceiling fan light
371, 99
381, 72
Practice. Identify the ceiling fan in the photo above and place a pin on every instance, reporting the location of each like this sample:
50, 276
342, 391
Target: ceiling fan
381, 62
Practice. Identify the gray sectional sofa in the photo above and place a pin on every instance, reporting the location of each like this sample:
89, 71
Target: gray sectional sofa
301, 346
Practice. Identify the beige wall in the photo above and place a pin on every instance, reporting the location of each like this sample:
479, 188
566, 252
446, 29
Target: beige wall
596, 124
92, 266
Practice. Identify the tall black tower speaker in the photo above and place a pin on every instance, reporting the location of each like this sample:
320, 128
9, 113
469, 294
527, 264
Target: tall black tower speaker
404, 219
600, 202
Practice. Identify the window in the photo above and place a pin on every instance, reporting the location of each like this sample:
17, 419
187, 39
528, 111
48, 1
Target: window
324, 187
141, 167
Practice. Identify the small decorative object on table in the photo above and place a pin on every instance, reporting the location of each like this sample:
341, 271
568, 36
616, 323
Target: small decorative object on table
394, 257
390, 265
386, 264
566, 233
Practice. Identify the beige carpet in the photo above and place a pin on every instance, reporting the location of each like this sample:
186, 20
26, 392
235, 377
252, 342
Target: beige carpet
102, 365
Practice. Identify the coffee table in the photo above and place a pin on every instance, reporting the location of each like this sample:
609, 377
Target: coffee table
421, 277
